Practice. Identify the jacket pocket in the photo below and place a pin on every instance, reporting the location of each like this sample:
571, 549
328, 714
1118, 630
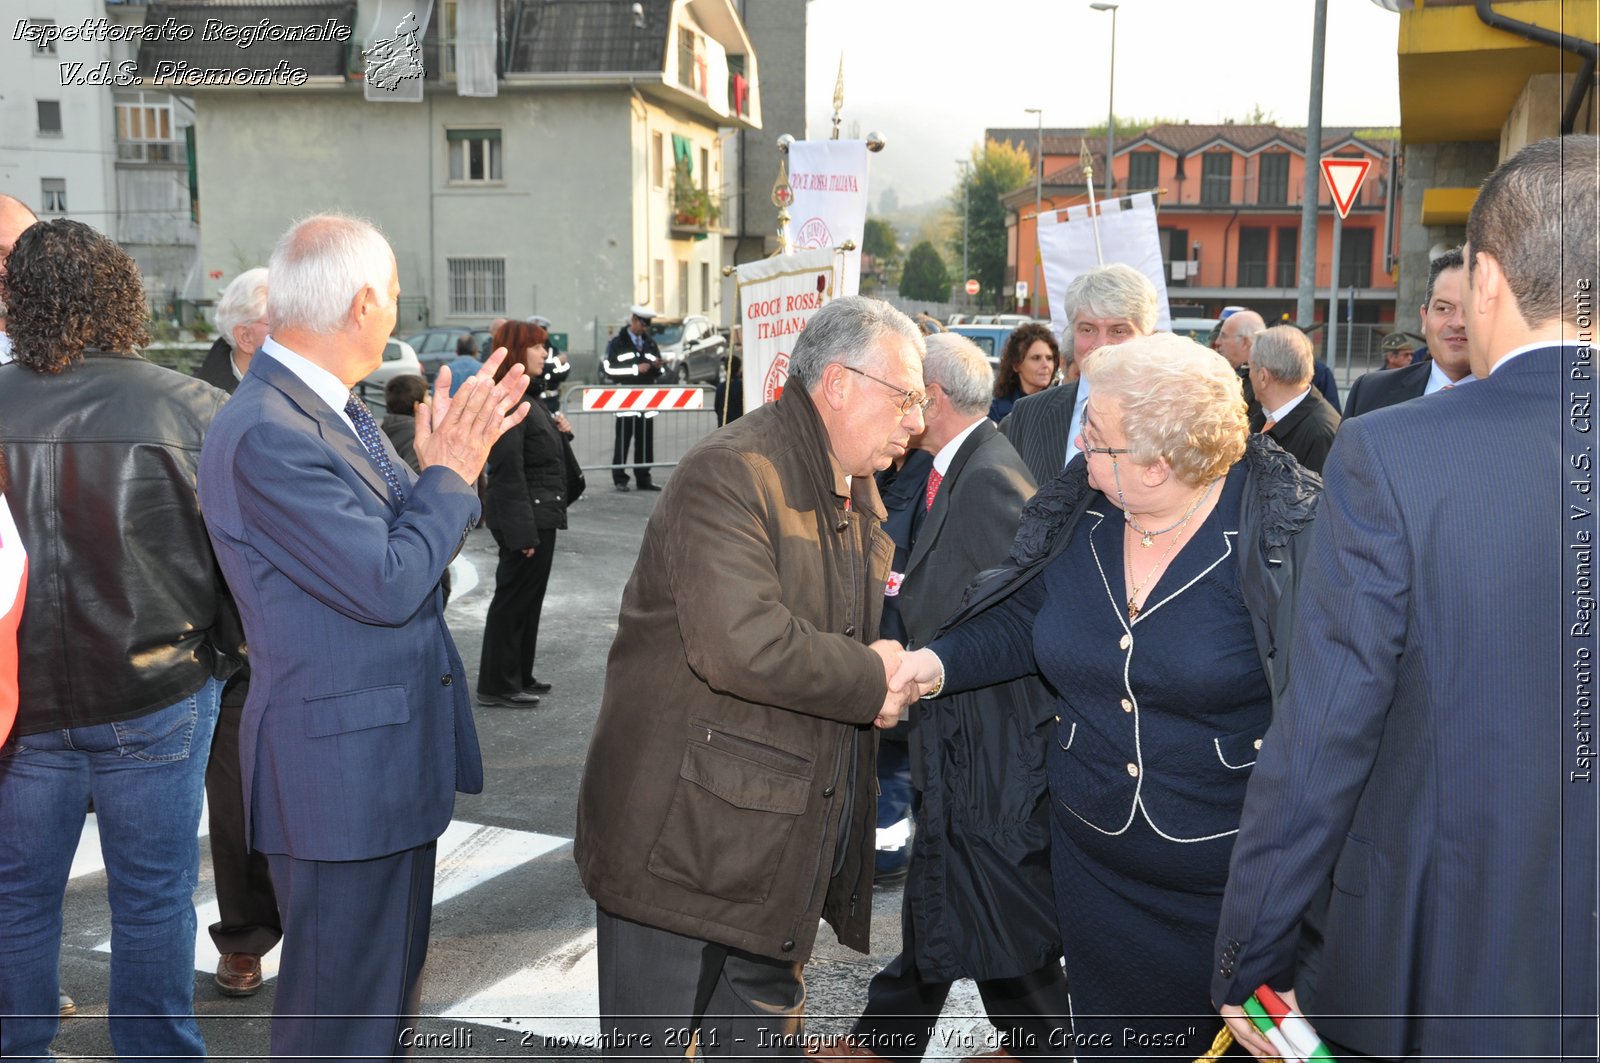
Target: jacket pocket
734, 807
1238, 751
1354, 867
356, 710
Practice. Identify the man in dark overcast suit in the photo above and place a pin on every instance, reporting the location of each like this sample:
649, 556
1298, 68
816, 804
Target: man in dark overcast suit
1294, 413
1444, 326
1109, 305
951, 926
1432, 749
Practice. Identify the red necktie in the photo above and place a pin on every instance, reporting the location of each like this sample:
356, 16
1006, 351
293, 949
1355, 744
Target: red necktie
935, 478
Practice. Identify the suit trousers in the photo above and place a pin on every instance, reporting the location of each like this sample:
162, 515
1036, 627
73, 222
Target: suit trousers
640, 431
246, 906
657, 988
1029, 1011
511, 627
355, 938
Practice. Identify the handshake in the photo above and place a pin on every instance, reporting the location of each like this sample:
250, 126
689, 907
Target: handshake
910, 675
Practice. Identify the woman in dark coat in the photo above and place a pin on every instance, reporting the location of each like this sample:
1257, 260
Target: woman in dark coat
1151, 583
525, 504
1030, 362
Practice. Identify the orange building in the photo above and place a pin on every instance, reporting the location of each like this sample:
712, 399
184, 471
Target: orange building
1229, 199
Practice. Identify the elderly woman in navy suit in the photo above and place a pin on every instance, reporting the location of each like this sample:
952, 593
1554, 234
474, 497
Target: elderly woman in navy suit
1151, 584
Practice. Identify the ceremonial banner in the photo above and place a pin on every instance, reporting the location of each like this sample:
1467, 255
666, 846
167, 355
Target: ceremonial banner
1128, 234
829, 181
777, 296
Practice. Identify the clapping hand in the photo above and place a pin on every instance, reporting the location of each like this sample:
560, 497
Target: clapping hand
458, 432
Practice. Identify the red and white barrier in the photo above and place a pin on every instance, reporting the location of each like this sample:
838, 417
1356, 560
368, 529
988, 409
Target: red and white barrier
600, 400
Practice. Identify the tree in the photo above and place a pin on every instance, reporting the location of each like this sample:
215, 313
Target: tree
995, 170
925, 276
878, 240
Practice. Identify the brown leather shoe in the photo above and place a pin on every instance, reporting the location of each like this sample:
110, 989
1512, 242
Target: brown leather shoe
238, 974
837, 1048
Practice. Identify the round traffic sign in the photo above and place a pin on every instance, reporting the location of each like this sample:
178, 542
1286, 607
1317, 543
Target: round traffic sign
972, 287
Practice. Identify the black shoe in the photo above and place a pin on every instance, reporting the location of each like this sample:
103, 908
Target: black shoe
536, 687
622, 487
522, 699
647, 486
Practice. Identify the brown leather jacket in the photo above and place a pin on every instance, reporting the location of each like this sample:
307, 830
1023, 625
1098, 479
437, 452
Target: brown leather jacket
729, 793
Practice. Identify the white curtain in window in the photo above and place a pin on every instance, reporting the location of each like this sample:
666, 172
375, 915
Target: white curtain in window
477, 39
716, 76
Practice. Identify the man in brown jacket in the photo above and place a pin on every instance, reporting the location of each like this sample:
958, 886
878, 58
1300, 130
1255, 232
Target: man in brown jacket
728, 802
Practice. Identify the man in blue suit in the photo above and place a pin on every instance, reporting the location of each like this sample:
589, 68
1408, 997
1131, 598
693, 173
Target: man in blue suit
357, 732
1432, 750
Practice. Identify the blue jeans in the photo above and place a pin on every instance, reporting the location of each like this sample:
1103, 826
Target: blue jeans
147, 779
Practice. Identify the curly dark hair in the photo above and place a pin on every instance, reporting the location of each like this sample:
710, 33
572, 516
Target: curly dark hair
68, 288
1022, 338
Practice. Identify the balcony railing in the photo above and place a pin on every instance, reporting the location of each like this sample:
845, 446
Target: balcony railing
150, 151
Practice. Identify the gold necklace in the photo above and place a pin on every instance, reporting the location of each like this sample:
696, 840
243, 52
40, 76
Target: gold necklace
1147, 539
1133, 595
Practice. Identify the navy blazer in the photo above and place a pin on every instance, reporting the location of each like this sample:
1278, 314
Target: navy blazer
1423, 750
1387, 387
357, 731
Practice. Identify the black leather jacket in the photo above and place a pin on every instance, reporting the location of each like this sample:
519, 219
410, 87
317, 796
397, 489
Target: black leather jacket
126, 610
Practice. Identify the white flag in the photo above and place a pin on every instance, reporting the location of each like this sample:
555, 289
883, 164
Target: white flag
1127, 234
829, 181
777, 296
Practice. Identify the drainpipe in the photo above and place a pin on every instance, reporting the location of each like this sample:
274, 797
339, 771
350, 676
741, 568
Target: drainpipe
1225, 233
1588, 50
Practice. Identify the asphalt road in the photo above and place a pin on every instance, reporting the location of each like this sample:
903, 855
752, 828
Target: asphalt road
511, 962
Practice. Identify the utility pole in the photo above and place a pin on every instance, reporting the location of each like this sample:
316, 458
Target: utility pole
1038, 198
966, 203
1305, 304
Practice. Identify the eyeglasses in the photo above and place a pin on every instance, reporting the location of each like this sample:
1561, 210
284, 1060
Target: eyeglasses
1113, 451
908, 399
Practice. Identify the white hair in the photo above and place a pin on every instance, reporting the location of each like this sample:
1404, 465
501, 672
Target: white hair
1116, 290
957, 365
244, 300
319, 266
1284, 353
848, 330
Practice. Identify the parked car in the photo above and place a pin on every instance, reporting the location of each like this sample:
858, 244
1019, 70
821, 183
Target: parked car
691, 347
437, 346
1196, 328
399, 358
991, 339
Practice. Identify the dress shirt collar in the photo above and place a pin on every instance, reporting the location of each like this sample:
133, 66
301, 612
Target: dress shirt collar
1076, 424
1524, 349
1438, 381
947, 453
1287, 408
5, 348
324, 384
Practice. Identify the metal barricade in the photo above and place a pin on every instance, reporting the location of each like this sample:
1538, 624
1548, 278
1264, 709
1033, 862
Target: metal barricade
679, 416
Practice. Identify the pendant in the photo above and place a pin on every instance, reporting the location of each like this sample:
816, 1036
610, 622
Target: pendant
1147, 542
1133, 609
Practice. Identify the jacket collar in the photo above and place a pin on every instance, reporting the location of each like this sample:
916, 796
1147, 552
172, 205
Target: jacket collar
1284, 492
330, 426
800, 420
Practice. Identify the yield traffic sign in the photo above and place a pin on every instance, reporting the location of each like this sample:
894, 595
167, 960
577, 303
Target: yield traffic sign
1344, 176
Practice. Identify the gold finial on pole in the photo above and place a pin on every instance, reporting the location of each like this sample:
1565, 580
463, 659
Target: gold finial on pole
838, 98
782, 194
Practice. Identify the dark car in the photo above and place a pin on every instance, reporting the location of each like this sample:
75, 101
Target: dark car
691, 347
437, 346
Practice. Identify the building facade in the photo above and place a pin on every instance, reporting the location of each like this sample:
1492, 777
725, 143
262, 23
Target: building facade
81, 138
1229, 200
588, 178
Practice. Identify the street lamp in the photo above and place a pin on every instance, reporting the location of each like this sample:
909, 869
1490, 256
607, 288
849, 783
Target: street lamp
1111, 92
1038, 198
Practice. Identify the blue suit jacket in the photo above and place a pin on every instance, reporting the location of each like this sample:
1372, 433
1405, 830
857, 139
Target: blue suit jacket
1423, 750
357, 731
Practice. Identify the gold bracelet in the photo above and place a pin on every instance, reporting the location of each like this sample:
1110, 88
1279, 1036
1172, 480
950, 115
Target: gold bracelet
938, 685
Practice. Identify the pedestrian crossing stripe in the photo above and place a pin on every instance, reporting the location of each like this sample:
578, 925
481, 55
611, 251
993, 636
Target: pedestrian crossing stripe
469, 855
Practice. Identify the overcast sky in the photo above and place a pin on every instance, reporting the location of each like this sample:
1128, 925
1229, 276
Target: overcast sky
931, 75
